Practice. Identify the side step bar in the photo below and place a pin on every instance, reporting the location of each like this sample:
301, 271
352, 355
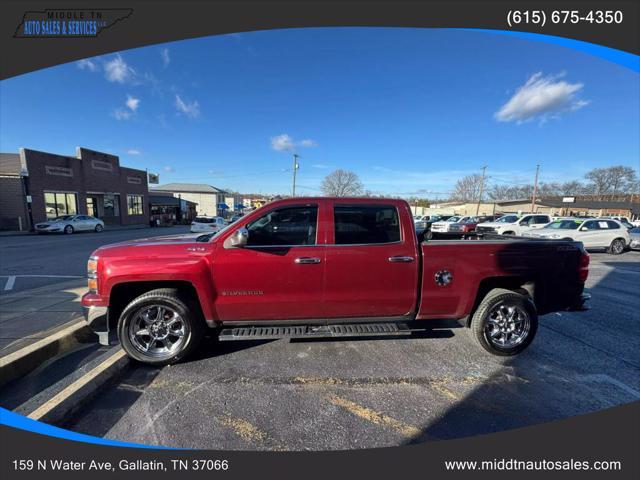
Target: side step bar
316, 331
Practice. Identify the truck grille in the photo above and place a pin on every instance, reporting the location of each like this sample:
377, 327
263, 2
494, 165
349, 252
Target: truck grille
485, 229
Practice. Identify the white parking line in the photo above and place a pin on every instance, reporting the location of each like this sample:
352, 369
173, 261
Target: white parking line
10, 282
41, 276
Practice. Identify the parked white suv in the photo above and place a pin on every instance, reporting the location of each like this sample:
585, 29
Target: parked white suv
207, 224
514, 225
444, 226
592, 232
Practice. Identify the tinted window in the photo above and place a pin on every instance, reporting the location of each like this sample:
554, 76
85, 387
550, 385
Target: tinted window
564, 224
204, 220
612, 225
591, 226
508, 219
359, 224
285, 226
541, 219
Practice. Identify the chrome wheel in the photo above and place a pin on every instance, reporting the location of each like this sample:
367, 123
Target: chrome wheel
507, 326
158, 331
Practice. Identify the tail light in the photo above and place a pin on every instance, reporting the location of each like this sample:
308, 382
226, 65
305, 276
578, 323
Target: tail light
583, 266
92, 274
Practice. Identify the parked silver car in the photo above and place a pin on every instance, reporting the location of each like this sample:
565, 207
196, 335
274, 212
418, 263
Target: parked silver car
634, 233
71, 223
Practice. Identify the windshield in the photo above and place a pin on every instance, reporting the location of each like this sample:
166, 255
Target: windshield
507, 219
564, 224
204, 220
454, 219
635, 230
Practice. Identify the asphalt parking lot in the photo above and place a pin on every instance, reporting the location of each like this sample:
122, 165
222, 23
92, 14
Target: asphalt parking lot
31, 261
42, 278
323, 395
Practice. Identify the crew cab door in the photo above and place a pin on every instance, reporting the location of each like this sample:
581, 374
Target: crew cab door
279, 274
371, 261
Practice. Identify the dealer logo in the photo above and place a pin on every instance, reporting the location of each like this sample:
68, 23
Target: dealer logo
69, 22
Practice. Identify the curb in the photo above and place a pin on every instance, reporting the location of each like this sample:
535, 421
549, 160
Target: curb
56, 403
26, 359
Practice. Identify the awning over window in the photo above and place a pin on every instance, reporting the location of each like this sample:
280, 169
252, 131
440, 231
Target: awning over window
223, 206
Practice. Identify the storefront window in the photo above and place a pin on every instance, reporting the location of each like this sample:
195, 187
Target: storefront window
57, 204
134, 204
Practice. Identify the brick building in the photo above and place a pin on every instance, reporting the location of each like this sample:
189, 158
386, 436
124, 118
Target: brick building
92, 183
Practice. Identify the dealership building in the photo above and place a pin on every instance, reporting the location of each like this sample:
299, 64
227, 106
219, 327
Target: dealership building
36, 186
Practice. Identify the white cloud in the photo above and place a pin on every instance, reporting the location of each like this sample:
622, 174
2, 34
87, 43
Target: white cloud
169, 169
307, 142
321, 166
284, 143
118, 71
190, 109
543, 98
86, 64
166, 59
133, 151
132, 103
121, 114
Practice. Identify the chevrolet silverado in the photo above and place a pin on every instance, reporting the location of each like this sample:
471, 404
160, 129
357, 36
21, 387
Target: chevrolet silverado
326, 267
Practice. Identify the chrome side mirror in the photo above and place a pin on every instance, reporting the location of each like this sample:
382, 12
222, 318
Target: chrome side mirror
239, 238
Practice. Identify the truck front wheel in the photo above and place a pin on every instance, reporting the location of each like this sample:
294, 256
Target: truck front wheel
159, 328
505, 322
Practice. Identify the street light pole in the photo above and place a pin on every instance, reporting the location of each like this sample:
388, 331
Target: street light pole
481, 191
295, 170
535, 190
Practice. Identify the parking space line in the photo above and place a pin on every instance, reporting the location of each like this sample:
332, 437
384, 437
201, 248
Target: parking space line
56, 400
10, 283
374, 417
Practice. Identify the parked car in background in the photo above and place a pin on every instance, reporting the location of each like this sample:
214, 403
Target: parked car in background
469, 225
70, 224
593, 233
634, 235
513, 224
207, 224
424, 226
234, 218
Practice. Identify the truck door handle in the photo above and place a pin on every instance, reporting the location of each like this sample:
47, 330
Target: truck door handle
307, 260
401, 259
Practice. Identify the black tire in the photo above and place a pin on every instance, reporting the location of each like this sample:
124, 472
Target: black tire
617, 246
99, 228
480, 329
169, 299
68, 229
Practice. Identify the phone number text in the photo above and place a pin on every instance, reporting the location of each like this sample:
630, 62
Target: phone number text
541, 17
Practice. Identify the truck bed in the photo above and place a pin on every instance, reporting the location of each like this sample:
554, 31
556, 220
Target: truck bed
548, 269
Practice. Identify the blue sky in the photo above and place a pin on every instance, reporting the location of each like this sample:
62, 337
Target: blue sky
409, 110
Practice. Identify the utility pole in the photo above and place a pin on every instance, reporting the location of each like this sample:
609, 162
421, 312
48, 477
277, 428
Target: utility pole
481, 190
535, 190
295, 170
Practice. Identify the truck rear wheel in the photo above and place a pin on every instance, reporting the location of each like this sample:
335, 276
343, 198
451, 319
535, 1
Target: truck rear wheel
159, 328
505, 322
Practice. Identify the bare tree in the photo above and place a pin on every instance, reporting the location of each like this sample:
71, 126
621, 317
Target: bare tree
341, 183
572, 187
622, 179
500, 192
468, 188
598, 181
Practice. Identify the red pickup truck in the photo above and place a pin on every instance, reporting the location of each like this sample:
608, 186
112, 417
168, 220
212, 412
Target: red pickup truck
326, 267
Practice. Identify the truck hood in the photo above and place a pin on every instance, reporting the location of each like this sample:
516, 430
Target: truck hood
551, 233
151, 241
